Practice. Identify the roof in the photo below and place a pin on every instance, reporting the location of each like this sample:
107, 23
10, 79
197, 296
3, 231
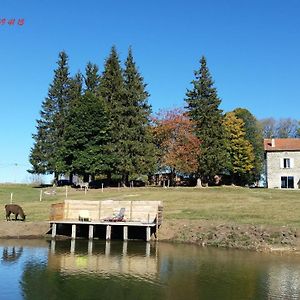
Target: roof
290, 144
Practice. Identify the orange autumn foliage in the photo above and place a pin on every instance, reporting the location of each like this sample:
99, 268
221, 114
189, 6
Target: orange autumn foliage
178, 146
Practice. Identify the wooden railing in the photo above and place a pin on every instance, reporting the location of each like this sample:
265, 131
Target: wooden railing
135, 211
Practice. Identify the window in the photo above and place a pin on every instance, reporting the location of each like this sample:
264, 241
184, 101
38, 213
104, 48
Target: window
287, 182
286, 163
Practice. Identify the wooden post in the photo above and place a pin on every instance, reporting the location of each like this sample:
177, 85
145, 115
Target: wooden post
148, 249
99, 211
90, 247
66, 192
148, 233
72, 250
156, 229
125, 233
52, 246
67, 214
124, 250
107, 248
41, 194
91, 232
11, 198
53, 230
108, 232
73, 231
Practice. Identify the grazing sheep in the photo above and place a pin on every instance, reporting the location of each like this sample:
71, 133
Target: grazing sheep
16, 210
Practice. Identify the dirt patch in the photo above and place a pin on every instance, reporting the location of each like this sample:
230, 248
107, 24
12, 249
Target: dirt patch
19, 229
250, 237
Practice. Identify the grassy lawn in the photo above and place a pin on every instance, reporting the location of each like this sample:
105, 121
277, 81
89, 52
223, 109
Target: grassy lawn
220, 204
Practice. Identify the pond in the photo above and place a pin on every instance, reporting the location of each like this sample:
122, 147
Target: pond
38, 269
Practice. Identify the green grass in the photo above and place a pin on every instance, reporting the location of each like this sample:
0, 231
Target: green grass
221, 204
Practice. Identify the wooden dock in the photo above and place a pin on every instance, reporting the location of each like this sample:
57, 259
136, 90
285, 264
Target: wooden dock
95, 219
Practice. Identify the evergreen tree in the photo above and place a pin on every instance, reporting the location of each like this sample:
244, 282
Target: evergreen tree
92, 79
203, 108
137, 148
45, 155
241, 155
75, 94
112, 91
87, 135
253, 134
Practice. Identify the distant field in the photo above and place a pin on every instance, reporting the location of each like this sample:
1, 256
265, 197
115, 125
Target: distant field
221, 204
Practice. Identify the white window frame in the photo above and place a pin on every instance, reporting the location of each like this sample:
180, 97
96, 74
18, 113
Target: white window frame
286, 163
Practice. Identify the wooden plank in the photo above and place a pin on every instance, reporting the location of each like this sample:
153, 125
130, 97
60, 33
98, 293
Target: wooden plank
135, 211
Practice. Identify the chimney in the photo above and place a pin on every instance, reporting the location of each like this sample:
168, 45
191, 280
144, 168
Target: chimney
273, 143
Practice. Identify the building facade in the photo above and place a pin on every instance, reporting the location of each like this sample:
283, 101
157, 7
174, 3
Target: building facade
282, 163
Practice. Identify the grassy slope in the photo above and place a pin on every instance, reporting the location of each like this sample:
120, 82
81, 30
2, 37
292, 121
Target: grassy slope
219, 204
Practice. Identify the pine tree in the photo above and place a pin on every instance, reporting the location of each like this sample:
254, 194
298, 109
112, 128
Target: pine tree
92, 79
45, 155
203, 108
87, 135
112, 91
75, 94
241, 154
137, 148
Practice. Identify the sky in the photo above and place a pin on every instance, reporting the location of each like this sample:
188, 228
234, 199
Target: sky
252, 49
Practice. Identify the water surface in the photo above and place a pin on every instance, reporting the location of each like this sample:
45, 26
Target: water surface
36, 269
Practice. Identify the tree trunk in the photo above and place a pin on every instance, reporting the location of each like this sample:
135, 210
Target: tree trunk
199, 183
108, 176
71, 177
125, 180
55, 178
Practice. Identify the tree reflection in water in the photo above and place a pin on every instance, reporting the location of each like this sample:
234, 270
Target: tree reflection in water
10, 255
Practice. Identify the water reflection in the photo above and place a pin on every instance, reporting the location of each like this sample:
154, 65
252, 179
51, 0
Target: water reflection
84, 269
136, 259
11, 254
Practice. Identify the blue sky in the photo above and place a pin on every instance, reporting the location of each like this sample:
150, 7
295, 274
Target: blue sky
252, 49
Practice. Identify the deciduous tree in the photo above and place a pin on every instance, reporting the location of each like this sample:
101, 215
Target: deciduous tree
253, 134
177, 144
241, 156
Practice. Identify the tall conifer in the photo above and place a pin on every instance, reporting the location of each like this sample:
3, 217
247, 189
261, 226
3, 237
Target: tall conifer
92, 78
137, 146
112, 91
203, 108
45, 155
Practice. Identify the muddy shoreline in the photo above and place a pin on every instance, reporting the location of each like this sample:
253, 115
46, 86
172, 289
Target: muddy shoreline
201, 232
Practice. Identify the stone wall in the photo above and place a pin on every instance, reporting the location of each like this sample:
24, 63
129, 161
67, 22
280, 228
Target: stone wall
275, 170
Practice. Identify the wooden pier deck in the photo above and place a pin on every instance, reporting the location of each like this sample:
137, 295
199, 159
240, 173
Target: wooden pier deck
93, 219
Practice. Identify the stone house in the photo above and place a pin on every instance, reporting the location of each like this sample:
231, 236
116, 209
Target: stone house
282, 163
